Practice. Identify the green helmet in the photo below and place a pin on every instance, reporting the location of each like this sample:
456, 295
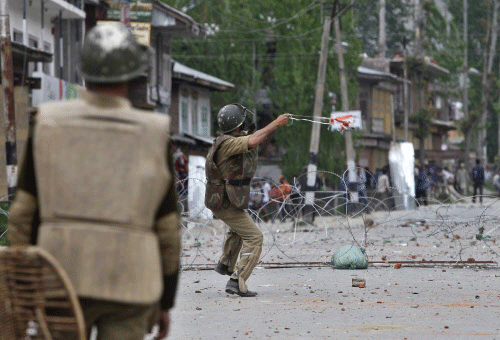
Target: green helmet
231, 116
111, 54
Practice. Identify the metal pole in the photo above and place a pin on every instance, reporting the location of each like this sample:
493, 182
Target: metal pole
8, 102
42, 29
254, 85
315, 133
61, 51
405, 89
466, 74
351, 155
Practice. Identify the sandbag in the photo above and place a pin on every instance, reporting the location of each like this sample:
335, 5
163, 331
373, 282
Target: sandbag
350, 257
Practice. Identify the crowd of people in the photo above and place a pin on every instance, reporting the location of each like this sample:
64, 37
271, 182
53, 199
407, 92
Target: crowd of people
373, 190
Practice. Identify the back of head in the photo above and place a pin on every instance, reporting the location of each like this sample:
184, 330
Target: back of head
111, 54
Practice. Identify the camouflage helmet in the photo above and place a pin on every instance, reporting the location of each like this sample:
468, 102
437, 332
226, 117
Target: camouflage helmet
111, 54
231, 117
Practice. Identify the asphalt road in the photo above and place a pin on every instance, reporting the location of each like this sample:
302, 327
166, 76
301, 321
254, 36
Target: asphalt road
301, 297
320, 303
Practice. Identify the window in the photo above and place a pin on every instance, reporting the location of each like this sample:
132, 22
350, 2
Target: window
194, 113
17, 36
46, 66
184, 114
205, 124
33, 43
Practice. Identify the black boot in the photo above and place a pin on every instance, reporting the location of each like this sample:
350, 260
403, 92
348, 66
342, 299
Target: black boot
233, 288
222, 269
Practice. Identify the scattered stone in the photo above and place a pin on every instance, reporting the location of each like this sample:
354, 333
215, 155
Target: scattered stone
198, 308
197, 281
414, 306
197, 291
356, 282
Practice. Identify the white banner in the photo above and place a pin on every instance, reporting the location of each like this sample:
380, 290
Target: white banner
196, 188
354, 121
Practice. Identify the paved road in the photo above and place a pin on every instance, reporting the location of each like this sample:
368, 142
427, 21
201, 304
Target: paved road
320, 303
317, 302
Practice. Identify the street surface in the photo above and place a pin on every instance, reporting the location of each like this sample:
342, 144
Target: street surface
302, 297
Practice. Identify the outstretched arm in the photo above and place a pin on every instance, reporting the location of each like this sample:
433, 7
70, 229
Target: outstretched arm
260, 136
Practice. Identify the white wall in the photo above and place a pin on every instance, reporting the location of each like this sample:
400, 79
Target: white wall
33, 23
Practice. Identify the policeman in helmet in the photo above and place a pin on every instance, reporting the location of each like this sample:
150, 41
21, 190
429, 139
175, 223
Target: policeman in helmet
230, 166
99, 174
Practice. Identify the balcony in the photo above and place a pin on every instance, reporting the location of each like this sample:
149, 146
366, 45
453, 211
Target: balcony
70, 9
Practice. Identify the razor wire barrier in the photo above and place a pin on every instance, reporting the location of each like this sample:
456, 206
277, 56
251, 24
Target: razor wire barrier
447, 230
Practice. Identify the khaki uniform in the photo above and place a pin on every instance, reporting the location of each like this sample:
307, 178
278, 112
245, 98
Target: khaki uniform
98, 175
243, 236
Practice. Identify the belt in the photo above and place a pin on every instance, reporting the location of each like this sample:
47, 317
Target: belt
239, 182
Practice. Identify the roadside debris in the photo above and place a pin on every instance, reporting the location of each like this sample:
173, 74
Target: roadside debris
357, 282
350, 257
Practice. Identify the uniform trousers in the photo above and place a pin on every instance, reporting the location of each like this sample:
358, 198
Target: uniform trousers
119, 321
243, 235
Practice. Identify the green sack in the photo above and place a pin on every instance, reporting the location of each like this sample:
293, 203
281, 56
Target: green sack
350, 257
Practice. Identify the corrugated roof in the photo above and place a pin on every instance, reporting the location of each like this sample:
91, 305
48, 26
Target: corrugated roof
366, 70
187, 73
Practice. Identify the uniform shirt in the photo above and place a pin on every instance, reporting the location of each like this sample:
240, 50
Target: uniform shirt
168, 209
228, 148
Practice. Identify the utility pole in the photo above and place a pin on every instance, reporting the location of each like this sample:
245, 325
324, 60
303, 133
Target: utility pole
382, 40
308, 210
351, 156
7, 70
405, 90
466, 86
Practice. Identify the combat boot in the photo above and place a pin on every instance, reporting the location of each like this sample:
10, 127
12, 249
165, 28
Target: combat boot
233, 288
222, 269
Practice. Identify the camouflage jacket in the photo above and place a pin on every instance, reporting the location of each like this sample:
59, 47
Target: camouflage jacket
233, 179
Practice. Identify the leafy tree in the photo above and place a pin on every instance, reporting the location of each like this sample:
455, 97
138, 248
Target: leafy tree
479, 22
397, 13
273, 46
423, 119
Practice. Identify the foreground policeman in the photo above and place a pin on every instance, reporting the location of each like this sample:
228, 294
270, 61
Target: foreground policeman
99, 174
230, 165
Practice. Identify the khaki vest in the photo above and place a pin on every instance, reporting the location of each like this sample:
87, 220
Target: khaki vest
241, 167
102, 173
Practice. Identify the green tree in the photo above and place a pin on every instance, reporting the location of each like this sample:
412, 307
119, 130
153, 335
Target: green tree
397, 14
423, 119
479, 22
273, 46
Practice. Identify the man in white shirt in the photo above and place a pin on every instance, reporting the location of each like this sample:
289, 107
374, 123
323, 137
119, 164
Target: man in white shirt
383, 189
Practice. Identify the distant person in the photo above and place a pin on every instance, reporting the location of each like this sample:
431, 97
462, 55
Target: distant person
423, 184
281, 194
496, 182
383, 189
181, 170
256, 197
266, 187
462, 179
362, 190
477, 181
344, 188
